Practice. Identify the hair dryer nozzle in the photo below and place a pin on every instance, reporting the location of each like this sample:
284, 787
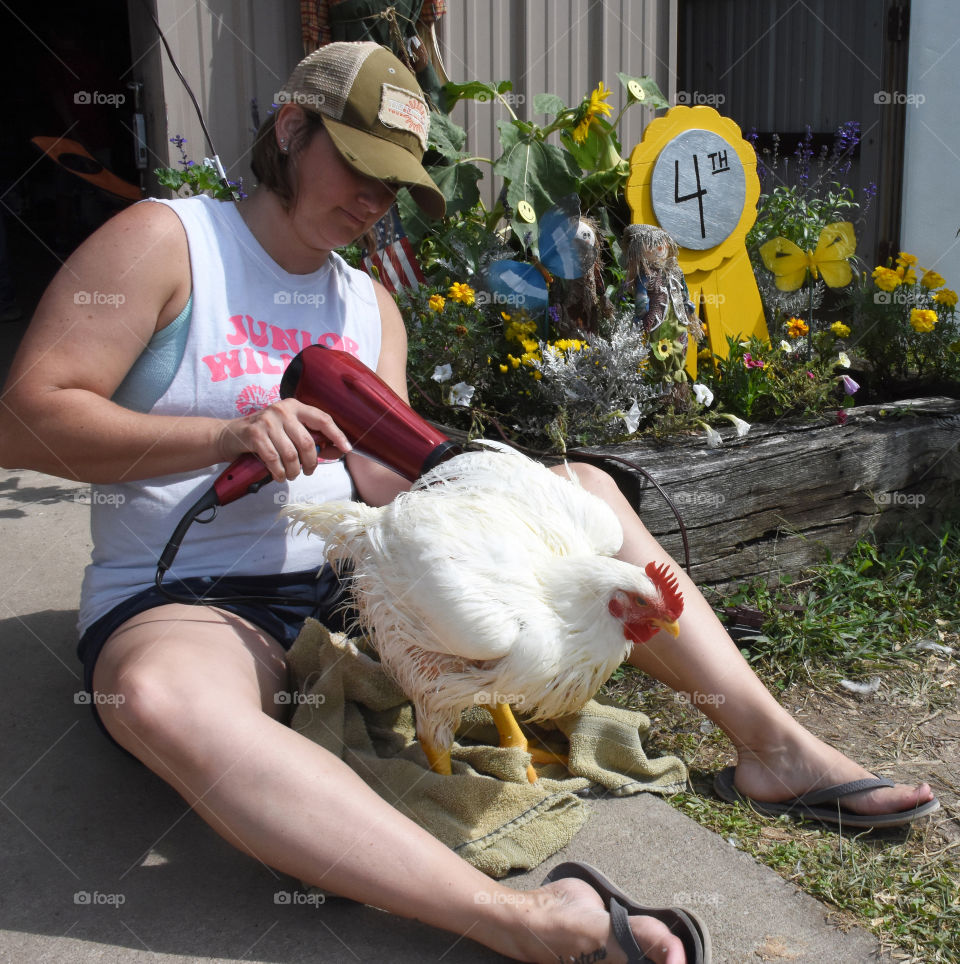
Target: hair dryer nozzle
378, 423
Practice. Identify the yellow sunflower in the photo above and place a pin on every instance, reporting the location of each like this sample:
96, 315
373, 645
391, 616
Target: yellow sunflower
595, 107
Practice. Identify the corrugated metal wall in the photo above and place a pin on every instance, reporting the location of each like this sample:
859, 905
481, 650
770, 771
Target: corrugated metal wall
232, 52
563, 47
779, 65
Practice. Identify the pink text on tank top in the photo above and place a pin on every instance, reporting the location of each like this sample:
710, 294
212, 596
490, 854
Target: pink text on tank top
236, 362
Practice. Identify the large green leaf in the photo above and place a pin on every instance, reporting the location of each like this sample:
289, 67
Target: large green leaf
474, 90
643, 90
537, 173
415, 223
458, 182
445, 136
548, 104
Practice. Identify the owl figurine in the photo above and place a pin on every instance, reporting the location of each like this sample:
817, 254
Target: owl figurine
663, 308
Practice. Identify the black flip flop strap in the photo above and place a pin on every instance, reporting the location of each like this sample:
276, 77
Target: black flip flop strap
832, 794
620, 922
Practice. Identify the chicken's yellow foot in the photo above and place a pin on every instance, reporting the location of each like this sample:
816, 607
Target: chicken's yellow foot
439, 760
510, 732
543, 756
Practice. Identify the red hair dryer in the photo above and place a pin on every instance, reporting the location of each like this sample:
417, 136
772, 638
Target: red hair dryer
376, 421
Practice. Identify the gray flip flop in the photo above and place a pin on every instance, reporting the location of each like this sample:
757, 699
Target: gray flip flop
816, 805
682, 922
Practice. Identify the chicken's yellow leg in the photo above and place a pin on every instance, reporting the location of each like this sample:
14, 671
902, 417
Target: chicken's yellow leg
510, 733
439, 760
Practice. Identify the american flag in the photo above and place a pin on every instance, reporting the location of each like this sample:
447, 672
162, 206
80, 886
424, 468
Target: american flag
393, 262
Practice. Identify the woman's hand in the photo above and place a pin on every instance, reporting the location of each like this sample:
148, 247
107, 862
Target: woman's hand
280, 436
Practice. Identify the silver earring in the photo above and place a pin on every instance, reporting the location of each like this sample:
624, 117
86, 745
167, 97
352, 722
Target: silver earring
283, 145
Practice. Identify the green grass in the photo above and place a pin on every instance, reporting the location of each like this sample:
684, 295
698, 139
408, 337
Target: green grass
908, 898
859, 616
872, 607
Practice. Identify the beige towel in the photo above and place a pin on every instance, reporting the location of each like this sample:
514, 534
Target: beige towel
486, 811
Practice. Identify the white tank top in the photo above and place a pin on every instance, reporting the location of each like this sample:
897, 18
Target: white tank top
249, 318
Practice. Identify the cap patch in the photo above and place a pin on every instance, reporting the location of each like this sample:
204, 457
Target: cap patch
404, 110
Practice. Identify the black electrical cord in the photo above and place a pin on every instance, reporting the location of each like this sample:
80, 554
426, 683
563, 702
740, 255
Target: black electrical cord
196, 106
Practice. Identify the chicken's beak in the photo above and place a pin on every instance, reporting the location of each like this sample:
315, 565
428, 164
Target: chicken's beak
669, 625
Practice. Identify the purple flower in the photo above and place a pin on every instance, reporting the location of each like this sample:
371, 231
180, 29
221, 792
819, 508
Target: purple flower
849, 385
752, 362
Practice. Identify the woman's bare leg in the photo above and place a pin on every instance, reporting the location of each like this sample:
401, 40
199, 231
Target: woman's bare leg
199, 710
777, 757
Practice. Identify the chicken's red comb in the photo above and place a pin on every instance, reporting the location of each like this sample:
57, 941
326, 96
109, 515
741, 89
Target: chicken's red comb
662, 577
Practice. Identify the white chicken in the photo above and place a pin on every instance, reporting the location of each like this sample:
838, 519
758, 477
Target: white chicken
493, 581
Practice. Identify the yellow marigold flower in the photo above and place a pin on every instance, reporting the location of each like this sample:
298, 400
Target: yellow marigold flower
462, 293
797, 327
905, 260
518, 330
932, 280
568, 344
596, 107
923, 319
436, 302
514, 362
529, 344
946, 297
907, 275
537, 375
529, 358
504, 369
886, 279
839, 329
504, 316
704, 354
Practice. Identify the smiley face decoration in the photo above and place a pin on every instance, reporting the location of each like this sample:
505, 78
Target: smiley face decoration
695, 176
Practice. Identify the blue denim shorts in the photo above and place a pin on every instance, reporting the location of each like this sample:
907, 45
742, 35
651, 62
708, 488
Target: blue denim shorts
299, 595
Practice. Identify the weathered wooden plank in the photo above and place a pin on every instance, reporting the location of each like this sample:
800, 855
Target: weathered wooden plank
788, 494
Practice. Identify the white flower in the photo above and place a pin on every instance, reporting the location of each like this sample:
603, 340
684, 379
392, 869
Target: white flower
703, 395
632, 418
442, 372
843, 359
785, 346
461, 393
739, 424
714, 441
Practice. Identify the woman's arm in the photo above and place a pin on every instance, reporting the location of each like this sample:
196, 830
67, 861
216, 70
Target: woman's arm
376, 484
126, 281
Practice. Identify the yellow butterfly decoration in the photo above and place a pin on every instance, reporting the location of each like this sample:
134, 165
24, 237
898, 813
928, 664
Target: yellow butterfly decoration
790, 263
